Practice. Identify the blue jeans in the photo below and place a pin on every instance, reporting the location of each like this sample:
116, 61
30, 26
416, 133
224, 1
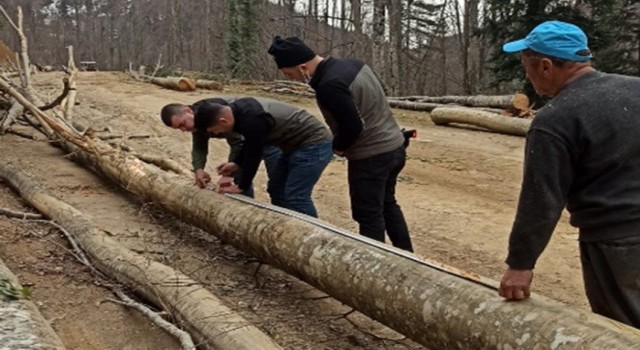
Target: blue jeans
270, 156
293, 175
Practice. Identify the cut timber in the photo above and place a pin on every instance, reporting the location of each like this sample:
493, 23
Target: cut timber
209, 84
491, 121
175, 83
414, 106
520, 101
428, 107
436, 309
201, 313
21, 324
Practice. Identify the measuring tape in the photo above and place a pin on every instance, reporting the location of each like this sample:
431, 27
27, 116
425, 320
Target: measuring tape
477, 279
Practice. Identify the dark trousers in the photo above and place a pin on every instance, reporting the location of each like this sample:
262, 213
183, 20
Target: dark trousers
372, 187
611, 272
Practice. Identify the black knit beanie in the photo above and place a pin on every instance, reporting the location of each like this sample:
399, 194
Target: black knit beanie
290, 52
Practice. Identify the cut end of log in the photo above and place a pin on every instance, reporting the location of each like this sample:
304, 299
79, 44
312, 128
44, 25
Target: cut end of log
186, 84
521, 106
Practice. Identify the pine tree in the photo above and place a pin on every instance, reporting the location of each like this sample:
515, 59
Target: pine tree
242, 41
614, 50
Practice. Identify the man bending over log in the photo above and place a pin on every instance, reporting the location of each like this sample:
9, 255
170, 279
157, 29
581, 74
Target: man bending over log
305, 143
354, 105
180, 116
582, 152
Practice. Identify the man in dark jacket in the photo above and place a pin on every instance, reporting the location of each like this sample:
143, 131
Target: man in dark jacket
179, 116
582, 153
355, 107
305, 143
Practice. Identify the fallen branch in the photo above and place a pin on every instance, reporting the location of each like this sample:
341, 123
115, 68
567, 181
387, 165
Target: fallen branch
65, 91
182, 336
20, 215
26, 135
14, 112
129, 137
164, 163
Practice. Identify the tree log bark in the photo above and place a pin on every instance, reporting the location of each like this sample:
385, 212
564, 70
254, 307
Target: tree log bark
490, 121
21, 324
501, 101
414, 106
209, 84
436, 309
175, 83
207, 319
14, 112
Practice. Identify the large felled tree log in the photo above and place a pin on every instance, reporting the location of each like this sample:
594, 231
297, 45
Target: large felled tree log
438, 309
490, 121
428, 107
209, 84
414, 106
21, 324
203, 315
175, 83
499, 101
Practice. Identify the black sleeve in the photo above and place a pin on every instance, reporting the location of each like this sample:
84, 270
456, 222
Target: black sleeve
255, 132
548, 175
337, 99
235, 142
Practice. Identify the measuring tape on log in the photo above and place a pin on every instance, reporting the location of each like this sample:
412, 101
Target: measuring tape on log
370, 242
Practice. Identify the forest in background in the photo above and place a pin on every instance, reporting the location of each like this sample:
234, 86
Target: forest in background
421, 47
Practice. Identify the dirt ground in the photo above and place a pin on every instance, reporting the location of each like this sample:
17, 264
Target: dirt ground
458, 191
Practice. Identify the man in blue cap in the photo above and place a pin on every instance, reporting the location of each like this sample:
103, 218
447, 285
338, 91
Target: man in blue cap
583, 153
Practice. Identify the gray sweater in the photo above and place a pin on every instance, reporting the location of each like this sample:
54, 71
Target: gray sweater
583, 153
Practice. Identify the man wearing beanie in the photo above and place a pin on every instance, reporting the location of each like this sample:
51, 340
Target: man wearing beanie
583, 153
355, 107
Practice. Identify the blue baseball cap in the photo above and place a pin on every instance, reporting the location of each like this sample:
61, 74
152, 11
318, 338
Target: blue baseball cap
555, 39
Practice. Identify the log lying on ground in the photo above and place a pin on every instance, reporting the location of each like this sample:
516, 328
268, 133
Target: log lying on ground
21, 324
289, 88
175, 83
519, 100
200, 312
428, 107
435, 308
414, 106
209, 84
490, 121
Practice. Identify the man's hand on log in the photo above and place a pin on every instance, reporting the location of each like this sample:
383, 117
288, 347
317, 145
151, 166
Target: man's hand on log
202, 178
515, 284
227, 169
224, 181
226, 185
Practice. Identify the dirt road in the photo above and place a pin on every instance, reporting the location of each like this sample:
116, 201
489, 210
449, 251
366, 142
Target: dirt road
458, 192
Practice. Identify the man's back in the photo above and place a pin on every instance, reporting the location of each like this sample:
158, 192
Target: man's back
597, 119
380, 132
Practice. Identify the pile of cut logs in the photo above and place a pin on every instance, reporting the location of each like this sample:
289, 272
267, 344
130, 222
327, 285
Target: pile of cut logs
508, 114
